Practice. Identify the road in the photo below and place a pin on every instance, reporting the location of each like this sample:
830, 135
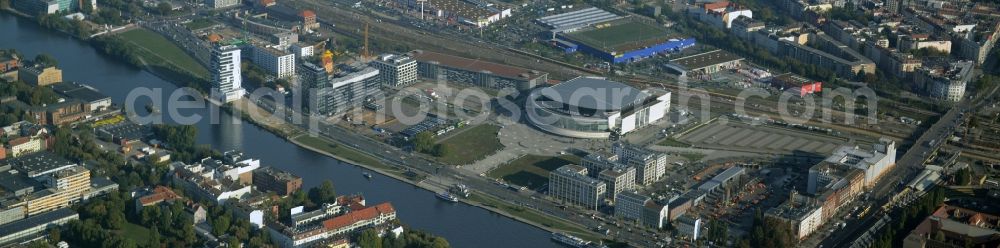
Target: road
445, 176
907, 166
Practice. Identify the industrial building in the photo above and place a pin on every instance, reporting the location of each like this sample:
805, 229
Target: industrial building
476, 72
84, 93
227, 82
30, 228
611, 37
330, 94
39, 75
705, 63
575, 20
592, 107
571, 184
796, 85
395, 70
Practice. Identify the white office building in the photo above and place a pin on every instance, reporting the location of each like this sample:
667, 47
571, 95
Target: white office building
227, 84
396, 70
218, 4
278, 63
571, 184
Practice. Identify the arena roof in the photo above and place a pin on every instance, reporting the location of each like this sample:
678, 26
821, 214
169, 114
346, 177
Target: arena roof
595, 93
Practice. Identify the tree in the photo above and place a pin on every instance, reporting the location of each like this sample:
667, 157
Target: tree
963, 177
220, 224
325, 193
164, 8
46, 60
369, 239
441, 150
423, 142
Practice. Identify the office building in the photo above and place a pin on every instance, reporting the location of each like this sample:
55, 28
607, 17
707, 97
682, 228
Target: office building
278, 63
800, 214
270, 179
396, 70
630, 205
689, 226
227, 81
945, 81
64, 187
331, 94
618, 179
570, 184
874, 162
219, 4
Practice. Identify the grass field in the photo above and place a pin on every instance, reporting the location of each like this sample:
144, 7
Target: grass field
534, 216
673, 142
157, 50
628, 33
138, 234
471, 144
532, 171
200, 24
339, 150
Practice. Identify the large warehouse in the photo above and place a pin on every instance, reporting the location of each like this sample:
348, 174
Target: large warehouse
592, 107
476, 72
611, 37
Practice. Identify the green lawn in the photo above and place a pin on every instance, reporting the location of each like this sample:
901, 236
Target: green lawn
673, 142
532, 171
159, 51
472, 144
340, 151
200, 23
692, 156
619, 35
137, 233
534, 216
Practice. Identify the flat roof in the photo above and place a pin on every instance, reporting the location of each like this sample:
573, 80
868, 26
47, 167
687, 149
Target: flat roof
705, 59
37, 220
40, 163
578, 18
79, 91
476, 65
595, 93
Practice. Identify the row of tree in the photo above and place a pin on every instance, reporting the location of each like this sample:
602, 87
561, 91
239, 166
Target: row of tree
409, 239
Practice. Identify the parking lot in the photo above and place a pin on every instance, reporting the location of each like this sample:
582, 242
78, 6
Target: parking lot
725, 134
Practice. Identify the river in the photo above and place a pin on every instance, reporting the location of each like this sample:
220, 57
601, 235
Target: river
461, 224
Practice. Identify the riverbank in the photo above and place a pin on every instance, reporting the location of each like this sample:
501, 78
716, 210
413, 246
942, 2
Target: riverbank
426, 209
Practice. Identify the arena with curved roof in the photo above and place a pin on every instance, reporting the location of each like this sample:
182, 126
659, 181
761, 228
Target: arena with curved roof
592, 107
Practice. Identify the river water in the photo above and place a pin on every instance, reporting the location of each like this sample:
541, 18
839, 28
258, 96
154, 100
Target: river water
462, 225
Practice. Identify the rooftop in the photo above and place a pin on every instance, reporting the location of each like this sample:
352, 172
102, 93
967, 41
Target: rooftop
39, 163
37, 220
358, 215
79, 91
595, 93
705, 59
476, 65
578, 18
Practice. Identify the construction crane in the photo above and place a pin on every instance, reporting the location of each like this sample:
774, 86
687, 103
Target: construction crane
364, 53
